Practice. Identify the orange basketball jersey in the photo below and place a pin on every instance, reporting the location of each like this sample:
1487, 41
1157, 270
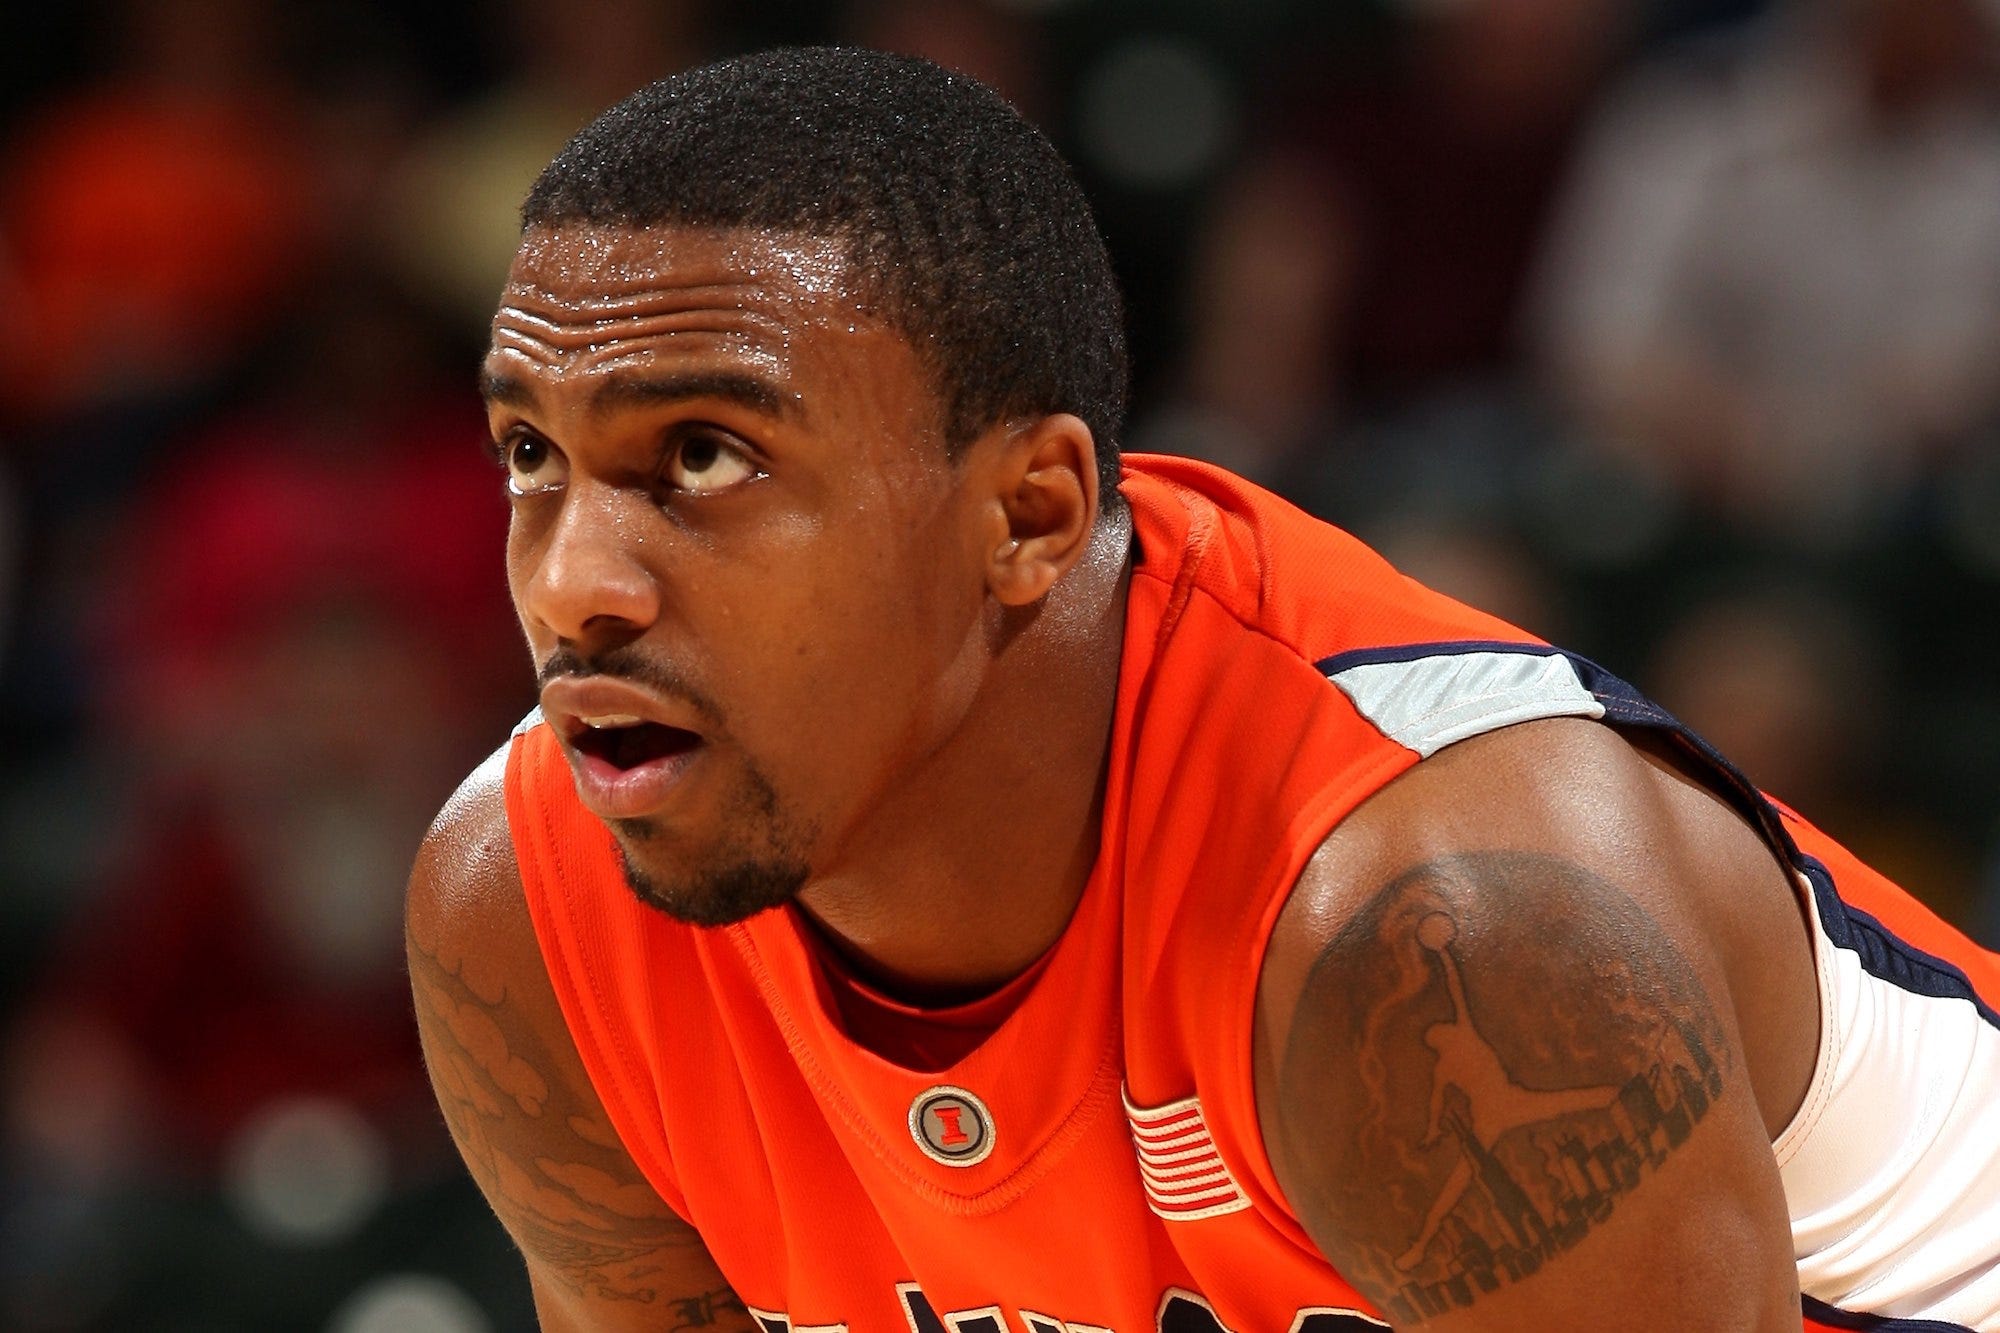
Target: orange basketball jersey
1095, 1163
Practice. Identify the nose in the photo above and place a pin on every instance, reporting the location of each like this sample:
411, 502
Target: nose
587, 581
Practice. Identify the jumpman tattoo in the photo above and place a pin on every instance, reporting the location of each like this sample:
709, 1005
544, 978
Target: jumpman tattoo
1495, 1050
1465, 1060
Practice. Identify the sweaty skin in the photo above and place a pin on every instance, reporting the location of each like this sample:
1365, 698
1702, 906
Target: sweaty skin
735, 516
865, 621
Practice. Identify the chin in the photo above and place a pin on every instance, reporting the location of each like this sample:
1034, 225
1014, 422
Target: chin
756, 863
719, 894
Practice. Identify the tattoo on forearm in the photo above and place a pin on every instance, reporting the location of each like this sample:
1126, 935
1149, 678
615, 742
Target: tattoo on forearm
1501, 1069
589, 1218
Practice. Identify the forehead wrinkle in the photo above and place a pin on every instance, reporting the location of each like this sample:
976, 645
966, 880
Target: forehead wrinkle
635, 347
732, 342
590, 302
735, 321
753, 377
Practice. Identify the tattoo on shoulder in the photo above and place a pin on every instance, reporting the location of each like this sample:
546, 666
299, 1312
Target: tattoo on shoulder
580, 1209
1501, 1069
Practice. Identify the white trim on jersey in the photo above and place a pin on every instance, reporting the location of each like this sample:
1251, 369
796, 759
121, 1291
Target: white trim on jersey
1430, 702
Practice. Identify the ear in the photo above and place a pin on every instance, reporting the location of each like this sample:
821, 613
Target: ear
1045, 507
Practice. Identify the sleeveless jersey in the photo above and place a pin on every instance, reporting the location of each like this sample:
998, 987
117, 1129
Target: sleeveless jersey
1095, 1163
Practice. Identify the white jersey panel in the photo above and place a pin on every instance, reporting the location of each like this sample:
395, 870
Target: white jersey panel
1431, 702
1890, 1168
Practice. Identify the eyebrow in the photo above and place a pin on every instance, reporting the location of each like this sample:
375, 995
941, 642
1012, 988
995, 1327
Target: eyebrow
749, 391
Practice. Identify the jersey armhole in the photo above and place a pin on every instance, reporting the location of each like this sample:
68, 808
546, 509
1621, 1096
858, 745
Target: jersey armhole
1826, 1059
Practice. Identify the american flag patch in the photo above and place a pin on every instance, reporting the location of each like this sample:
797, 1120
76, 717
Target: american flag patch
1184, 1175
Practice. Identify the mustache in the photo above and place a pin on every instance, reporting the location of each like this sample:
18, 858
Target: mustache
631, 665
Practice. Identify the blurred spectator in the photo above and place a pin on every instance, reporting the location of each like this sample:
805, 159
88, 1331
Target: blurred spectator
1481, 566
153, 219
1793, 683
1769, 677
1353, 297
1446, 154
1778, 281
455, 219
302, 640
1270, 294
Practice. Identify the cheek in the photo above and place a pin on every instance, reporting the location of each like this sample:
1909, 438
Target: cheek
848, 643
883, 673
520, 567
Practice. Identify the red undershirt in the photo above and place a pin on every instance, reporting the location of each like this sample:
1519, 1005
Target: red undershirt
926, 1040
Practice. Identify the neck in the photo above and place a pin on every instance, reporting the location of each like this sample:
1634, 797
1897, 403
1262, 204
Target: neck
971, 869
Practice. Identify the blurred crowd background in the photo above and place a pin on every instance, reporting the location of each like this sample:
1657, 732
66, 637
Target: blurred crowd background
1668, 329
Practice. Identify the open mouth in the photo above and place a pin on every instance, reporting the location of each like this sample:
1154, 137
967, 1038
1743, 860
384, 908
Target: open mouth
627, 742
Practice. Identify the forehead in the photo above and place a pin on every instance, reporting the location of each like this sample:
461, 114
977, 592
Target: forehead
582, 298
585, 266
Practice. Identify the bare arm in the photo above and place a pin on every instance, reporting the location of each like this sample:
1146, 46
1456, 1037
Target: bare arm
604, 1252
1504, 1084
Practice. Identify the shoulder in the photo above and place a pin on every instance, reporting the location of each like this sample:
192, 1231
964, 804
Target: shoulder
465, 913
603, 1247
466, 869
474, 960
1626, 819
1524, 949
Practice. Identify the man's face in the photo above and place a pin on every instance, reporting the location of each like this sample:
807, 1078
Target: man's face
750, 578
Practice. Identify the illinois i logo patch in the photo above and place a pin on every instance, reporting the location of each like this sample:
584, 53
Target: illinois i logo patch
951, 1126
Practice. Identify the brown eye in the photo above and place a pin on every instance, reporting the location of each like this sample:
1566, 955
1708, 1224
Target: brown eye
533, 467
704, 464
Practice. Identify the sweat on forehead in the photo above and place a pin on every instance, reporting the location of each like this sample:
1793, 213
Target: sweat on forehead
961, 227
590, 265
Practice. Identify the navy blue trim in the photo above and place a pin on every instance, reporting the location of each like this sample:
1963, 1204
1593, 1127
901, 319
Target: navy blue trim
1884, 953
1622, 703
1416, 652
1834, 1317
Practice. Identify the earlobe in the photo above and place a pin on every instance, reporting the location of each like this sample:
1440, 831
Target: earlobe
1048, 497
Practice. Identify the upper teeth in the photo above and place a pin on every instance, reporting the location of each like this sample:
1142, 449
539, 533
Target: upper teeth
609, 720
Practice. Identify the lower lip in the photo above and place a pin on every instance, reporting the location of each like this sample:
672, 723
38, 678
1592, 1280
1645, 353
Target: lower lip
610, 792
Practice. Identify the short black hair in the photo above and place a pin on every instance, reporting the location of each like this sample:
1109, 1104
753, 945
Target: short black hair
964, 227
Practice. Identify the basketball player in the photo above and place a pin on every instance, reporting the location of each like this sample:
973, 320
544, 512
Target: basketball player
955, 881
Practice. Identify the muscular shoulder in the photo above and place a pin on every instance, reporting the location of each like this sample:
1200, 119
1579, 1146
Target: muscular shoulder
1593, 817
466, 878
603, 1249
493, 1034
470, 940
1499, 1015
